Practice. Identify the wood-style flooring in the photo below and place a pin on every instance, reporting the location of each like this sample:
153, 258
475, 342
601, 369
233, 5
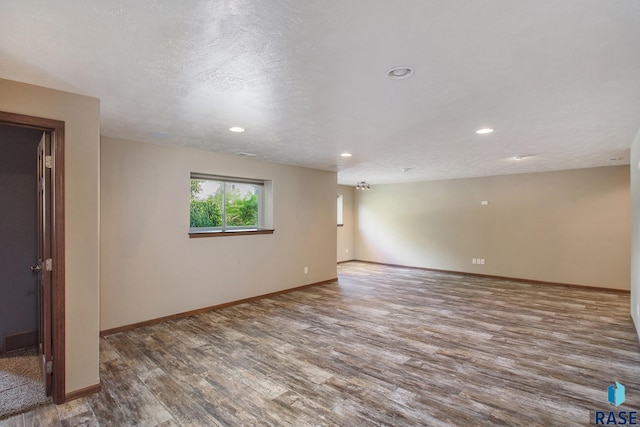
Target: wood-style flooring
382, 346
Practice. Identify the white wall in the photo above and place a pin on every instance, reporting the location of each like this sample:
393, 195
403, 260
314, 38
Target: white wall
150, 268
566, 227
635, 233
346, 235
81, 115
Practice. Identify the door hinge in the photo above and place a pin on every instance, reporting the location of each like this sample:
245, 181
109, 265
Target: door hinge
48, 264
50, 367
48, 162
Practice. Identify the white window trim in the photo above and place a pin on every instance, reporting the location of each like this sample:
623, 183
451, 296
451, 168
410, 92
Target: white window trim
231, 230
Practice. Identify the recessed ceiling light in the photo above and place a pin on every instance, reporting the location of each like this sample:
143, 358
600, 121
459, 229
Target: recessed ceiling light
346, 154
236, 129
405, 169
484, 131
398, 73
518, 158
245, 154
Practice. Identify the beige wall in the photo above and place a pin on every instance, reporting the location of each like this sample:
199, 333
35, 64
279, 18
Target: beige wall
82, 141
346, 232
149, 266
635, 234
567, 227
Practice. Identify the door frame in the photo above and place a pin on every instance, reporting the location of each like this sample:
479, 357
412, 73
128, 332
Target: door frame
56, 129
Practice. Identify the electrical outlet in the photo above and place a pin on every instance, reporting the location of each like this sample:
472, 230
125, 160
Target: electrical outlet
346, 251
306, 270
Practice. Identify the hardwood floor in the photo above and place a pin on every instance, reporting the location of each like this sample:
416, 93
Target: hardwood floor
383, 346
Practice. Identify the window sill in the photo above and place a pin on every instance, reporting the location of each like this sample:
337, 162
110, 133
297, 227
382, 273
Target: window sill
220, 233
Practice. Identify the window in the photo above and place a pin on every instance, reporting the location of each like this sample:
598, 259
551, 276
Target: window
225, 204
340, 204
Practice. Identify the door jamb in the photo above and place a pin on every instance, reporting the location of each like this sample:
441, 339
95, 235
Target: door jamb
56, 128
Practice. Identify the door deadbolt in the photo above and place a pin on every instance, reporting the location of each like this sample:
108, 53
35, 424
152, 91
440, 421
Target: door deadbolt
36, 268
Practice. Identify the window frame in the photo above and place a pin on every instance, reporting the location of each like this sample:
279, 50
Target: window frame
226, 230
340, 210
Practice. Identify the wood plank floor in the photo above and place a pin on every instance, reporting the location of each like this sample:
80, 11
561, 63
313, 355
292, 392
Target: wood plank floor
383, 346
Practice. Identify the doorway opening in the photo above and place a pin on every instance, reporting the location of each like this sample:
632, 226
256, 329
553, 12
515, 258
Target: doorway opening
50, 263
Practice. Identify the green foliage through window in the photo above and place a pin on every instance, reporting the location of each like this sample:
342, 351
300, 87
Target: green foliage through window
224, 204
205, 212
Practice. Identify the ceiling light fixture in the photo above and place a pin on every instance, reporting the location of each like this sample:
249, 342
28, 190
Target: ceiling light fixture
484, 131
517, 158
398, 73
245, 154
346, 154
405, 169
363, 186
236, 129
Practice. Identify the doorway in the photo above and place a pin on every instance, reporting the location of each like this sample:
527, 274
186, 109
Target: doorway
19, 239
48, 265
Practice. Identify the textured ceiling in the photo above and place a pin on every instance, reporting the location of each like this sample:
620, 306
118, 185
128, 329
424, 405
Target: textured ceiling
558, 80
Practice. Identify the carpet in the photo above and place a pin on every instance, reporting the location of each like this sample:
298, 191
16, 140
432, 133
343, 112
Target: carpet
21, 384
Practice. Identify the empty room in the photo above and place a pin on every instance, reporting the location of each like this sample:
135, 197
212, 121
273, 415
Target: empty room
286, 213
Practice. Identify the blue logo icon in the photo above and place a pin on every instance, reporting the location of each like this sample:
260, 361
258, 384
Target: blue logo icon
616, 394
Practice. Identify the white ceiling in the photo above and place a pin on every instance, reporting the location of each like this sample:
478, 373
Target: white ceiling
559, 80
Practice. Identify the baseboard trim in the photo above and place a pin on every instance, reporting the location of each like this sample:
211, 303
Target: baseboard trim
207, 309
347, 260
83, 392
513, 279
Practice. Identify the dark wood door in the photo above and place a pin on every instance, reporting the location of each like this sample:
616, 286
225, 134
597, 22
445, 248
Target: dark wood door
45, 263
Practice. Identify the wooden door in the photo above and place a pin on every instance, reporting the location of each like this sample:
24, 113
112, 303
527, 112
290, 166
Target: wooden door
45, 263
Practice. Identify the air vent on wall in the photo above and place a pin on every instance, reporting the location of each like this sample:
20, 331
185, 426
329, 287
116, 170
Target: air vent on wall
20, 340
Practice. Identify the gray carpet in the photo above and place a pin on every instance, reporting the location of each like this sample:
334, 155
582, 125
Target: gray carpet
21, 385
